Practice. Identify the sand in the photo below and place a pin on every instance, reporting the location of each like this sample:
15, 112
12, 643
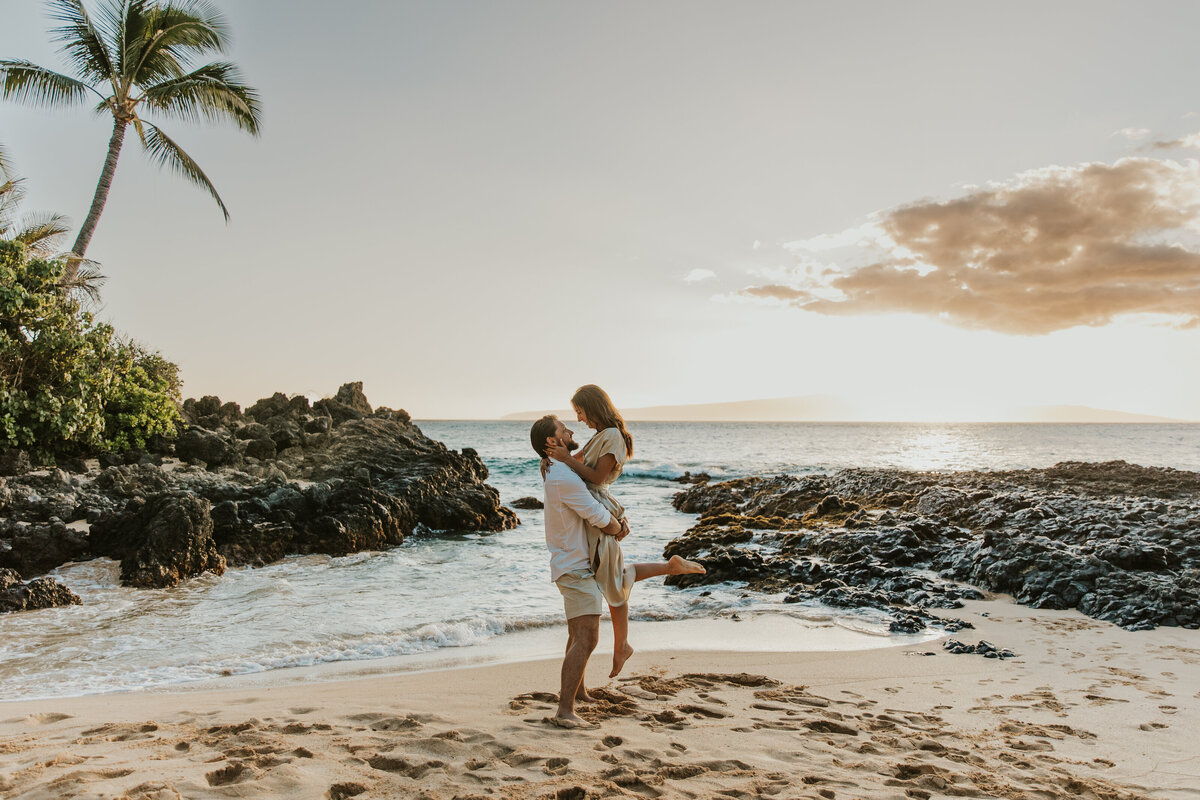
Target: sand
1084, 710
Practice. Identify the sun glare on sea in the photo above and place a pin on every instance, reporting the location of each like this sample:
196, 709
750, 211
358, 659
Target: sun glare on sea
933, 448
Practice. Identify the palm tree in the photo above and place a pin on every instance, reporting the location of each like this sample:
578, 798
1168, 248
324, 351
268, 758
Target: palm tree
140, 53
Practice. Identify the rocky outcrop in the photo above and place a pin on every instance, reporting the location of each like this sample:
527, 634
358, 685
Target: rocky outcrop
283, 477
34, 548
527, 503
444, 489
1118, 541
14, 462
270, 522
160, 541
39, 593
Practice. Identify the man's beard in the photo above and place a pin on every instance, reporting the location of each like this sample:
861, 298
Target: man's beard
572, 446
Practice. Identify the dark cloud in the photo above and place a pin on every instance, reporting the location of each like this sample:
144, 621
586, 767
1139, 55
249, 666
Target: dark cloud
1052, 249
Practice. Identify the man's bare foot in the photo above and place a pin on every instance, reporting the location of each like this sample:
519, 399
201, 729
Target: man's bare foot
681, 566
619, 659
570, 722
582, 696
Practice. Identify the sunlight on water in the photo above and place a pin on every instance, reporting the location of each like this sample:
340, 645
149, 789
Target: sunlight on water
935, 449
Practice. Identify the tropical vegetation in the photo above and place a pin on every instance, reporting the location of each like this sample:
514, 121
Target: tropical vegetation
138, 57
69, 384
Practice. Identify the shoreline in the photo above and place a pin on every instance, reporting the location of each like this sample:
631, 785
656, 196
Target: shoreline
754, 632
1086, 708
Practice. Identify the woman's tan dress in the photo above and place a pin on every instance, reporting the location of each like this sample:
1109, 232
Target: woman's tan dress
615, 579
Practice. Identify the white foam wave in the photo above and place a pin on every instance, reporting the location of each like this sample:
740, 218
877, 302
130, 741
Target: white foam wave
424, 639
663, 470
669, 470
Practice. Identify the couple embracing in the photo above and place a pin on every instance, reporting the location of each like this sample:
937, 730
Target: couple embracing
584, 528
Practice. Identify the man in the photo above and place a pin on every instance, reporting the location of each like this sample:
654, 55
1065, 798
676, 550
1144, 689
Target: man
569, 507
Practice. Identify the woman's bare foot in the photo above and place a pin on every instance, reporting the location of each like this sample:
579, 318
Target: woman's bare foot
681, 566
619, 659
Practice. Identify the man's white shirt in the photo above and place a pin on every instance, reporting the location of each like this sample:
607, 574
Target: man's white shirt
569, 505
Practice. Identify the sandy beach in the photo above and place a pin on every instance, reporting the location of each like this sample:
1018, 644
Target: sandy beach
1086, 709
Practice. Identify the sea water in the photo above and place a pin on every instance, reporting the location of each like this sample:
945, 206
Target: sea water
459, 596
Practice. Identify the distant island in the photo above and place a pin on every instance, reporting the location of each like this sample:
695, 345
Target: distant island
827, 408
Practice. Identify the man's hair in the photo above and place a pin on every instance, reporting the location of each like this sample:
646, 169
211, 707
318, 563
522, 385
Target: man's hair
543, 429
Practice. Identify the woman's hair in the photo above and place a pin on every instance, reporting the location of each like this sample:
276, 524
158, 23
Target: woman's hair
600, 411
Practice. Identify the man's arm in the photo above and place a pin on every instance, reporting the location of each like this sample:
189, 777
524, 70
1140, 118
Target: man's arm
575, 496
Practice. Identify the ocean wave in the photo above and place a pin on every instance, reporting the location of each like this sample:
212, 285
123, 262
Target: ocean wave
424, 639
120, 670
669, 470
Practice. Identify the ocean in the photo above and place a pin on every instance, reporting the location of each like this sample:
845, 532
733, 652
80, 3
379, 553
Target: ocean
450, 599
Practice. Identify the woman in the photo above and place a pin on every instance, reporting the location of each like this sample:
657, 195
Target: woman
599, 463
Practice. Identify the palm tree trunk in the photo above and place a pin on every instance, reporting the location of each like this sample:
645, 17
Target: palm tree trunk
101, 196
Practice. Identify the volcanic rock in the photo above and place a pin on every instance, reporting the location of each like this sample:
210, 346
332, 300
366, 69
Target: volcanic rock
366, 482
160, 541
527, 503
39, 593
207, 446
34, 548
14, 462
1118, 541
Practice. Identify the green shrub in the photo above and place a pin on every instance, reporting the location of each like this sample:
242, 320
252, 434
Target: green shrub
68, 384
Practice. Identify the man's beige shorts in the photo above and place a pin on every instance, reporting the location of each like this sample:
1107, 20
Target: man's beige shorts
581, 594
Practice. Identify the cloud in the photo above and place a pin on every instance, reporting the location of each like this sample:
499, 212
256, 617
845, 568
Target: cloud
698, 275
1189, 142
1050, 249
1132, 133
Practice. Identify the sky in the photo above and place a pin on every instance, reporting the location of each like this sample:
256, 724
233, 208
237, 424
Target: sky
936, 209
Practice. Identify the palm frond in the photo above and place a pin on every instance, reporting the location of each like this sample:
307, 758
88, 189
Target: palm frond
5, 164
134, 27
82, 43
212, 92
87, 279
109, 22
11, 194
41, 234
195, 26
163, 150
168, 35
26, 82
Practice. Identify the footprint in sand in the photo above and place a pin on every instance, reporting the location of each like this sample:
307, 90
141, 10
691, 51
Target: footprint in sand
45, 718
341, 791
702, 711
155, 790
383, 722
236, 772
556, 766
408, 769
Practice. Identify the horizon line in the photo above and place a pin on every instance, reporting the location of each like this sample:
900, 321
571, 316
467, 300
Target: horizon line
856, 421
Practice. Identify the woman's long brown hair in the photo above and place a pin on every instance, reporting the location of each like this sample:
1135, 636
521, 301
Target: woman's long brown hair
600, 411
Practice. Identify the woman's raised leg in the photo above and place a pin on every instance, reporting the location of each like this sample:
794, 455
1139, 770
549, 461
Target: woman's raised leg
622, 650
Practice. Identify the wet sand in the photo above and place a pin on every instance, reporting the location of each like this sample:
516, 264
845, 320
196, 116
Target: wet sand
1084, 710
